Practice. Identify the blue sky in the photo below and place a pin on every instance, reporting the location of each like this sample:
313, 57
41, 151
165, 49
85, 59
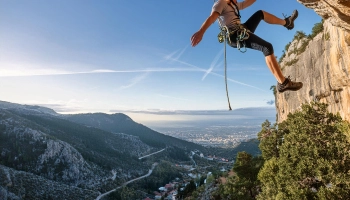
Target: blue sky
119, 56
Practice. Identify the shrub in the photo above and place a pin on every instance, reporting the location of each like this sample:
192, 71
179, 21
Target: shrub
306, 156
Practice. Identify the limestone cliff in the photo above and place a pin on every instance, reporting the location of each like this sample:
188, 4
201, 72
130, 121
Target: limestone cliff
322, 63
337, 12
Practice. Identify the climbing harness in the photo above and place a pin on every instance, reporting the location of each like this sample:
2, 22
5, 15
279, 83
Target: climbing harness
242, 35
225, 35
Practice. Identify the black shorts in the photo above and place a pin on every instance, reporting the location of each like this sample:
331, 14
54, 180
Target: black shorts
254, 41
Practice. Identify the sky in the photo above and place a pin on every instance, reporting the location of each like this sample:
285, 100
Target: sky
134, 57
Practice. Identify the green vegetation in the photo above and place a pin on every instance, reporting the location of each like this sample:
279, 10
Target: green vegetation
282, 57
120, 123
251, 146
306, 156
162, 174
300, 35
292, 62
50, 147
274, 90
244, 184
318, 28
125, 193
90, 142
287, 46
326, 36
23, 185
188, 190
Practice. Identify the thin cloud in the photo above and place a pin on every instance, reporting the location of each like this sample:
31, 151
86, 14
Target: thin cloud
54, 72
180, 54
251, 111
135, 81
60, 106
216, 74
171, 55
213, 64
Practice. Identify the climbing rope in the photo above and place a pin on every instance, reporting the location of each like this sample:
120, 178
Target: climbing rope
225, 33
228, 98
222, 37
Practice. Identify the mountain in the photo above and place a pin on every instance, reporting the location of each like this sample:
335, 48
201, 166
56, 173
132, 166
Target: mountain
46, 155
75, 155
27, 108
23, 185
49, 149
321, 61
251, 146
67, 152
121, 123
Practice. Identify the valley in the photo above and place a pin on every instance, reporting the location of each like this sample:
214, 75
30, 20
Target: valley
89, 156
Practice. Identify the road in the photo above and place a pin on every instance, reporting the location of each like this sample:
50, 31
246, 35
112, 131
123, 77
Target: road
151, 154
124, 184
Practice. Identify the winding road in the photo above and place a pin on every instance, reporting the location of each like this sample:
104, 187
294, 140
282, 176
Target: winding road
152, 154
124, 184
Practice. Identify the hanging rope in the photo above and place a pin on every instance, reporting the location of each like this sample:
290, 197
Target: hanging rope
228, 98
224, 35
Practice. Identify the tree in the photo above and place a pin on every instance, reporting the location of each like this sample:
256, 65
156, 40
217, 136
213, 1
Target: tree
299, 35
243, 185
309, 157
274, 90
270, 139
189, 188
318, 27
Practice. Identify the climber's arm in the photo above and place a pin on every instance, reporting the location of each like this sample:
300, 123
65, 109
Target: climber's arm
197, 37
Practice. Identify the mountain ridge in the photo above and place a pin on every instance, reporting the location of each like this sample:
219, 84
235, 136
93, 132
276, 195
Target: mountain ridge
72, 157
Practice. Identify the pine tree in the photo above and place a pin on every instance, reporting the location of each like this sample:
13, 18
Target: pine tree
307, 156
244, 184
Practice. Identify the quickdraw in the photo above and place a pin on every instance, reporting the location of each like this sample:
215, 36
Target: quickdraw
242, 35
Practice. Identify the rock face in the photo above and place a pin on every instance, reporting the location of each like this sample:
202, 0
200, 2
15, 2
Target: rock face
337, 12
324, 64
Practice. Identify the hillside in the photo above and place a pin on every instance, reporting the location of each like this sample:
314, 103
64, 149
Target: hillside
121, 123
45, 155
23, 185
68, 153
40, 146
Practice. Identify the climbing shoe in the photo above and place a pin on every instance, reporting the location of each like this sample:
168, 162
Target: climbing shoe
290, 20
289, 85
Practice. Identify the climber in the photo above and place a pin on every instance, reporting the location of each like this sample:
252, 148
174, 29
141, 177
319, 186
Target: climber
228, 11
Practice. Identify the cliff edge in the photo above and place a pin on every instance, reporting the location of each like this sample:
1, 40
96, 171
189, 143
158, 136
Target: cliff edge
321, 63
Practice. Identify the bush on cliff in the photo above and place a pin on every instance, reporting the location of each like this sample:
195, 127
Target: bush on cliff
306, 157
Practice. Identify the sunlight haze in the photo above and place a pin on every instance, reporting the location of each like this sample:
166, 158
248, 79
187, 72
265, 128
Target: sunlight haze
106, 56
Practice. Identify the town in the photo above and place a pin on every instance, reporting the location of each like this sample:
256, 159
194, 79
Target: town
215, 136
195, 174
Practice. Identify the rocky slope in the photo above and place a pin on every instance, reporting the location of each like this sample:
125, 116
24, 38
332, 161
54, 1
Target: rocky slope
23, 185
322, 64
43, 156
